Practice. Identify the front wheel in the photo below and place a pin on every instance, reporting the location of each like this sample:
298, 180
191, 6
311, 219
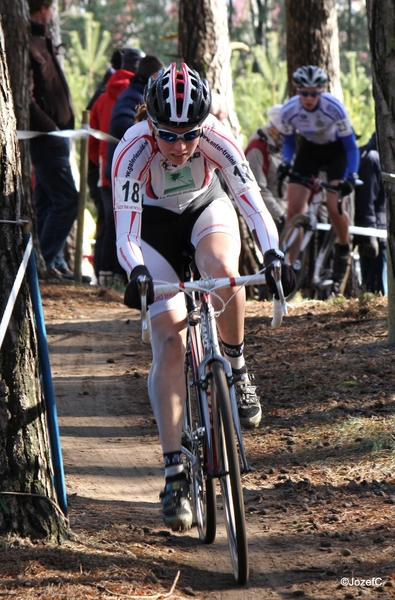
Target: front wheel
323, 267
202, 487
295, 248
229, 473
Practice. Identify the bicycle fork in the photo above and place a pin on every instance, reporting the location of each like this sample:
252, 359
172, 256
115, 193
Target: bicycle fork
211, 354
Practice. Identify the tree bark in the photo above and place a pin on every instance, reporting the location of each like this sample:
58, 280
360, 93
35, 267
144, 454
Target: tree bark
381, 21
27, 496
204, 44
16, 27
312, 39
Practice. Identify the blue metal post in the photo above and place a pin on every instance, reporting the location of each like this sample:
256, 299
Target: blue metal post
52, 418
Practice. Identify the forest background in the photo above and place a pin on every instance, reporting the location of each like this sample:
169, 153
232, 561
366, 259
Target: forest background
90, 30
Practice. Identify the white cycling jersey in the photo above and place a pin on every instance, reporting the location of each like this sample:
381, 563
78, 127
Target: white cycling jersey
327, 122
142, 176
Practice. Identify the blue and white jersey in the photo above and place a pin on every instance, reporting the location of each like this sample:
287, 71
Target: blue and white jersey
327, 122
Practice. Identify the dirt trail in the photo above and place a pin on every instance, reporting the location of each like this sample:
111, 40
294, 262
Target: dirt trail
109, 441
320, 503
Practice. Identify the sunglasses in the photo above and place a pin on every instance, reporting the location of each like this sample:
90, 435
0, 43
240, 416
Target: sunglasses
171, 138
306, 94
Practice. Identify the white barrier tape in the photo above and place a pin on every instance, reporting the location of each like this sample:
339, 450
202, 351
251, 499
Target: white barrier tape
17, 222
388, 177
14, 292
69, 133
368, 231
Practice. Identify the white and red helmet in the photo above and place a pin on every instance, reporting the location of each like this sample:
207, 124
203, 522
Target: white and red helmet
178, 98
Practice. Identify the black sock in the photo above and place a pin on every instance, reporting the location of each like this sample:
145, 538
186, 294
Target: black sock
177, 477
344, 249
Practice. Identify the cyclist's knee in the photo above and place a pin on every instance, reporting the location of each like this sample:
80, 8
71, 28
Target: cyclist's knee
168, 348
218, 259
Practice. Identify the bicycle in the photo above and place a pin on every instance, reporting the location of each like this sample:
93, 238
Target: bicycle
302, 237
212, 442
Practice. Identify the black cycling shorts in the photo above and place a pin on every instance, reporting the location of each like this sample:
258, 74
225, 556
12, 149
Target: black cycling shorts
313, 158
170, 233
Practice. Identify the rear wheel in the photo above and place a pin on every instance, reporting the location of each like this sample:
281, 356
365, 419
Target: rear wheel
229, 472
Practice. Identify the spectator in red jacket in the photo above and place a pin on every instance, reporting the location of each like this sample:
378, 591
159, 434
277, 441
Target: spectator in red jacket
111, 273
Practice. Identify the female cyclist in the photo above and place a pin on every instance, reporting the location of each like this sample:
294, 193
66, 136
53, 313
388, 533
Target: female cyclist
168, 201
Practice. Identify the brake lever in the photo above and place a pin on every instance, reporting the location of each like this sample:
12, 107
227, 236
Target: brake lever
142, 284
280, 306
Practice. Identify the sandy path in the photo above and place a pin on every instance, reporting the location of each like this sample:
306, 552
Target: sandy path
109, 440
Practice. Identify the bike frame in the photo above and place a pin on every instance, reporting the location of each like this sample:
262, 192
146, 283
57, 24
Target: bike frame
210, 446
211, 352
315, 200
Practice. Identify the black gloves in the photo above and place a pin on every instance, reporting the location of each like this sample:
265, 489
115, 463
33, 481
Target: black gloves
346, 186
132, 294
282, 171
288, 278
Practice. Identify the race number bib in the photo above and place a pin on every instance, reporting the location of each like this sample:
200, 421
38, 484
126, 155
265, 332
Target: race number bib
342, 126
128, 194
240, 178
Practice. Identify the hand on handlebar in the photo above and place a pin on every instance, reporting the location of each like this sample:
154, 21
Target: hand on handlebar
132, 293
346, 186
288, 278
282, 172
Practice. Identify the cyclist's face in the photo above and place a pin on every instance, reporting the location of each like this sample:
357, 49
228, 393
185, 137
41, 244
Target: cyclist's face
309, 97
177, 152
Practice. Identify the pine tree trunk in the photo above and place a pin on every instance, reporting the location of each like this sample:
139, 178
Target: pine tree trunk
203, 39
381, 20
16, 27
312, 39
27, 497
204, 45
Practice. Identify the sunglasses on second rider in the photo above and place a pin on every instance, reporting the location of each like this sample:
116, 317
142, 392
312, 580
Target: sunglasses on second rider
171, 137
312, 94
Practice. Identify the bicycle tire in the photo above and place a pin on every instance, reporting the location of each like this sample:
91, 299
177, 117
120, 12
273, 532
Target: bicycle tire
229, 470
202, 487
296, 224
353, 284
324, 266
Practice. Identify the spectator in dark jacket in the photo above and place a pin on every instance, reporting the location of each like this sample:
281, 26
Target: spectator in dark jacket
124, 109
370, 212
55, 195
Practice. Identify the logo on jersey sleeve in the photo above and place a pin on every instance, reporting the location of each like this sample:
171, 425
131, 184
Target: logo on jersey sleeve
128, 194
342, 126
240, 178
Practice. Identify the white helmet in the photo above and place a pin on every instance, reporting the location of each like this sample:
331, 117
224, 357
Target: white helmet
274, 114
309, 76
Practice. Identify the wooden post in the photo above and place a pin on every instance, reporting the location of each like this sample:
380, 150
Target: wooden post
81, 200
